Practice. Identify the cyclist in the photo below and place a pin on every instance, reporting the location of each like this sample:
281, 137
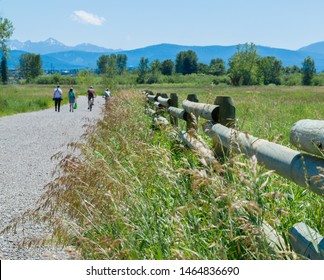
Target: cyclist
91, 95
107, 94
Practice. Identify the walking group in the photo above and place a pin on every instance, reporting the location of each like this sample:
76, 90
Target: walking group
91, 94
58, 97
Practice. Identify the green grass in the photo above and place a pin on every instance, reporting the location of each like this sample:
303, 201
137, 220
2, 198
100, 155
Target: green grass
15, 99
20, 99
137, 193
267, 112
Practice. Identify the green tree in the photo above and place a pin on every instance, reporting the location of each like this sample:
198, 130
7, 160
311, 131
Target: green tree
143, 70
30, 66
269, 70
155, 71
217, 67
112, 66
85, 78
4, 70
292, 70
6, 30
167, 67
102, 64
155, 66
243, 65
308, 71
121, 63
203, 68
186, 62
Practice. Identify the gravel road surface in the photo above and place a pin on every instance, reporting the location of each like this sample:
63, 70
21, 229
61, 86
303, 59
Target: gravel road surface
27, 142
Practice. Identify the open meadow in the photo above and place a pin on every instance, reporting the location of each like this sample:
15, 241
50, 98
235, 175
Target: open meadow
267, 112
141, 194
16, 99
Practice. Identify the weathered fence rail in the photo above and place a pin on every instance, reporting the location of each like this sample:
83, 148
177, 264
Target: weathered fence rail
304, 168
308, 135
301, 168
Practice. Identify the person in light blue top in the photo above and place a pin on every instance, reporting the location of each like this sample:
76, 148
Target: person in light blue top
107, 94
71, 99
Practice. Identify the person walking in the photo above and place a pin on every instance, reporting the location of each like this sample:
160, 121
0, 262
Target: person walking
71, 99
57, 97
91, 95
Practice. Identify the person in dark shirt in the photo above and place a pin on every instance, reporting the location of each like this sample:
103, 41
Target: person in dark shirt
91, 95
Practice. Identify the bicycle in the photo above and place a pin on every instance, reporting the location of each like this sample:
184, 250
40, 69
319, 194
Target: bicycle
90, 103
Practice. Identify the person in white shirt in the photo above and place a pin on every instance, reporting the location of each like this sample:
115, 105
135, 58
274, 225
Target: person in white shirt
107, 93
57, 97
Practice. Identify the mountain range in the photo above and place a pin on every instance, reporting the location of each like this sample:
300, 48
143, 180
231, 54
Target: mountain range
57, 56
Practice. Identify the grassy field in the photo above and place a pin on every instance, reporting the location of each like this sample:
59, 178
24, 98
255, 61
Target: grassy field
141, 194
15, 99
267, 112
21, 99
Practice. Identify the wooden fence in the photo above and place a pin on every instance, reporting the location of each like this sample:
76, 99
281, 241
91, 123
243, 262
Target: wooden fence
305, 168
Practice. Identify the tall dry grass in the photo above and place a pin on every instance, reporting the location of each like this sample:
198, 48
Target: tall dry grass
136, 193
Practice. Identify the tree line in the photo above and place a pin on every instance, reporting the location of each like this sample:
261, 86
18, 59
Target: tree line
245, 67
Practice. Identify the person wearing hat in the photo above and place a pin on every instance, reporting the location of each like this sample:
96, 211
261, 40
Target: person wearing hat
71, 99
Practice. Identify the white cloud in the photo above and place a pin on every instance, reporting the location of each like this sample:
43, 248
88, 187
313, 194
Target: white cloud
85, 17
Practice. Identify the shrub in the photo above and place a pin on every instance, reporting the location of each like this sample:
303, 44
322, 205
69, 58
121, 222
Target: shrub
292, 80
222, 80
318, 80
55, 79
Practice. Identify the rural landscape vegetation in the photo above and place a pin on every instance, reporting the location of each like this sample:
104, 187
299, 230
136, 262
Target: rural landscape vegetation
140, 193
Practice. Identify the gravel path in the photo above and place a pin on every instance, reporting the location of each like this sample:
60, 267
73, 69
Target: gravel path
27, 142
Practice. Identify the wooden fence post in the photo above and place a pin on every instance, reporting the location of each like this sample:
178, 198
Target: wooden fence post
192, 121
192, 98
226, 110
227, 118
174, 103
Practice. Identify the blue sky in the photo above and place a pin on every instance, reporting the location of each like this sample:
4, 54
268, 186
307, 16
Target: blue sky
130, 24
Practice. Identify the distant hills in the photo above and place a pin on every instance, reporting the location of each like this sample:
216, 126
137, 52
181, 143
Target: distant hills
314, 48
57, 56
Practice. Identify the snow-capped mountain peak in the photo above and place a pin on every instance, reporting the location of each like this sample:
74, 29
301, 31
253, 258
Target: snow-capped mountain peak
52, 41
51, 45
